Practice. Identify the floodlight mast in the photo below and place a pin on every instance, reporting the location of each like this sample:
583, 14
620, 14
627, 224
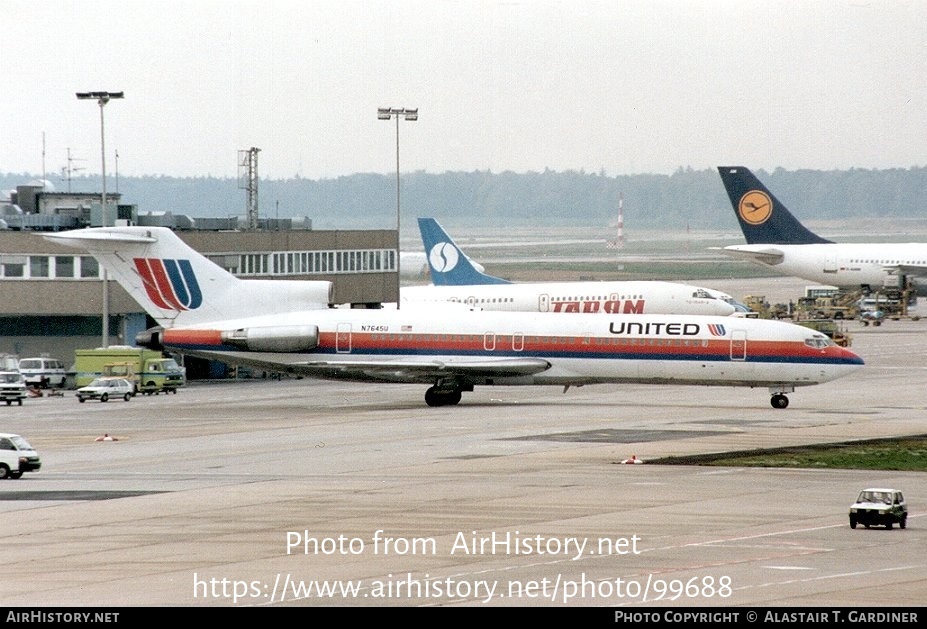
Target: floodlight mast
386, 113
102, 98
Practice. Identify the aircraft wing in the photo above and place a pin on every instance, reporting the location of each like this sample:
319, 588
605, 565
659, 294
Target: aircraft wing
396, 369
425, 368
764, 254
916, 270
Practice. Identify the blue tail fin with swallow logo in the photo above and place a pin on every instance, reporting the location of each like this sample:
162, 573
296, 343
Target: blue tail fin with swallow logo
449, 266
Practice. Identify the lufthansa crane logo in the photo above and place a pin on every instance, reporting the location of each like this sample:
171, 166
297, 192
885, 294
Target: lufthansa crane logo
443, 257
755, 207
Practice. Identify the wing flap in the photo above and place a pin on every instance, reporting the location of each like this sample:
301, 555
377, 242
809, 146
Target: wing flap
425, 368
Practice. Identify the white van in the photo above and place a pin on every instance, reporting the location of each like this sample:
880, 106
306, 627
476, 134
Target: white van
12, 387
43, 372
17, 456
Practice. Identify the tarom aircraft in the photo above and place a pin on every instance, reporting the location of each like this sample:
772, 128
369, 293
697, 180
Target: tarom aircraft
202, 310
776, 239
456, 280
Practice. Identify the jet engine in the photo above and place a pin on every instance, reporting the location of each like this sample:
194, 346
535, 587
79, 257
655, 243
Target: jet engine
286, 338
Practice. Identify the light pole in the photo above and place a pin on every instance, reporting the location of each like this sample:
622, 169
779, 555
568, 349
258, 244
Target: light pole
102, 98
386, 113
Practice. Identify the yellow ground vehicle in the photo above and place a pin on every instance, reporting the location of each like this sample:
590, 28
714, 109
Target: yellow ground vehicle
765, 310
828, 327
149, 370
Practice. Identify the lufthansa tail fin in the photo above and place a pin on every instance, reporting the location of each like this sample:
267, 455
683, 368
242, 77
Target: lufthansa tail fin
178, 286
449, 266
763, 219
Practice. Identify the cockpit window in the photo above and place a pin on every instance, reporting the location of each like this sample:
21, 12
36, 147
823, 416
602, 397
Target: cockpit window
819, 342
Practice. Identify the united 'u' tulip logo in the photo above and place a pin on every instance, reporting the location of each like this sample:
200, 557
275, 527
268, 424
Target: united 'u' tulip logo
170, 284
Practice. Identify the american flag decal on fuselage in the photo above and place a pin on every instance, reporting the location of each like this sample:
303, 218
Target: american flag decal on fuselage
170, 284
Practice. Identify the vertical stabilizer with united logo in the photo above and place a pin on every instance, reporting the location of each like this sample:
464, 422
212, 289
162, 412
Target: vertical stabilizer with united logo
178, 286
763, 219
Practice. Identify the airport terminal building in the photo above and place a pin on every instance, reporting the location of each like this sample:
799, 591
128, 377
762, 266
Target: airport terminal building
52, 297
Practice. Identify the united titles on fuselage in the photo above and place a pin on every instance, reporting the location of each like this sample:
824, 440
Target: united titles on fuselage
637, 328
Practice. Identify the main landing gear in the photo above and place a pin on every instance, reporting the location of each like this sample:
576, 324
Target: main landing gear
779, 400
442, 397
446, 391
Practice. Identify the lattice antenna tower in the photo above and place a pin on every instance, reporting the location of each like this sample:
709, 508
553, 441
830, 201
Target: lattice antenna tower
70, 169
248, 180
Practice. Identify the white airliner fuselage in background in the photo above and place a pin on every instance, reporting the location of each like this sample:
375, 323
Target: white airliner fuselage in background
778, 240
456, 279
632, 297
844, 265
202, 310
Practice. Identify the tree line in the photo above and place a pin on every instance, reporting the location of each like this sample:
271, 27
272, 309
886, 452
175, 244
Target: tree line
687, 198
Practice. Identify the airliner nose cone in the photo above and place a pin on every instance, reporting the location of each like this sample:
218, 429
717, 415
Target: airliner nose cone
849, 357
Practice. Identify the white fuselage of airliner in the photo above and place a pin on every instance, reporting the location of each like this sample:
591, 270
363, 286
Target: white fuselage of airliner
844, 265
631, 297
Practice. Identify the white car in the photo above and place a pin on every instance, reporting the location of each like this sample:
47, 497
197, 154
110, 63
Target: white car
879, 506
104, 389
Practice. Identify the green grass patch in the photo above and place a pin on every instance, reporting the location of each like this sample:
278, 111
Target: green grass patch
905, 454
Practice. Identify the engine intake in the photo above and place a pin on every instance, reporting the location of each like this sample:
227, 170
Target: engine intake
150, 338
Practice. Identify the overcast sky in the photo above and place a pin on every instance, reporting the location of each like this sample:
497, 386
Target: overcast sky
623, 87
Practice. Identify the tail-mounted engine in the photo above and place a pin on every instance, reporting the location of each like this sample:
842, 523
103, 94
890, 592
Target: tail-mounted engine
287, 338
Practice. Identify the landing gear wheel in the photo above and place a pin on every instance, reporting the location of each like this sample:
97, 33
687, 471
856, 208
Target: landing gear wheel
441, 398
779, 401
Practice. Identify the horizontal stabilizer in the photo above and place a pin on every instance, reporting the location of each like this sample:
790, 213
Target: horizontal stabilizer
766, 255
